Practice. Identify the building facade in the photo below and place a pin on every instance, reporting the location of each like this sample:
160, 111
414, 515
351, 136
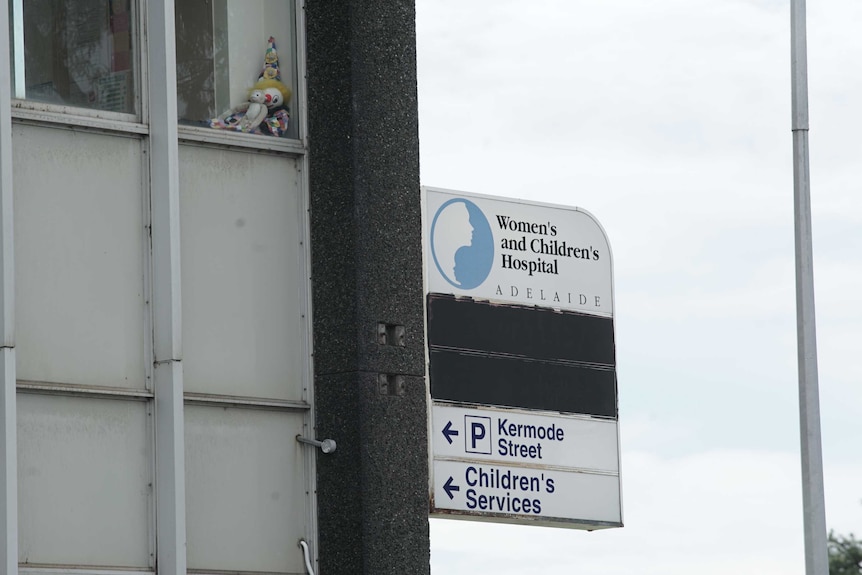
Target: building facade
210, 250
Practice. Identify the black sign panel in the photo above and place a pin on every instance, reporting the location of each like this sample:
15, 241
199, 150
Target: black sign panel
521, 356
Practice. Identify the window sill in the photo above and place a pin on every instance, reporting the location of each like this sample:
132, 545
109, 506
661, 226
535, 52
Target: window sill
63, 116
192, 134
37, 113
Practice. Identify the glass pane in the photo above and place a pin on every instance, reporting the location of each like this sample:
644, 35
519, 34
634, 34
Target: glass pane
79, 258
84, 479
243, 326
246, 490
236, 65
78, 54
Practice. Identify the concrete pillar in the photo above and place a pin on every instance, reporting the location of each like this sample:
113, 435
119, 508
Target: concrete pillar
366, 262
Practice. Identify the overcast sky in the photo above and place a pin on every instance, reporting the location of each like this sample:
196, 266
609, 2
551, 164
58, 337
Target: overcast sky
669, 121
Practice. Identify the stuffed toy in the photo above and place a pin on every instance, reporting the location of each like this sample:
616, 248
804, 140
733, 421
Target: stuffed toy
265, 100
265, 111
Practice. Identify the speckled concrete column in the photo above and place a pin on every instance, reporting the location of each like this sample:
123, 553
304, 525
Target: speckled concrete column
367, 287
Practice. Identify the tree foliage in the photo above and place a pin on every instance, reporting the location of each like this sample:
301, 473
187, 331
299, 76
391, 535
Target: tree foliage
845, 554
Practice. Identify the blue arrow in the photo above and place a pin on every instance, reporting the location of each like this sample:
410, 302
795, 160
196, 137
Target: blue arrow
449, 488
448, 432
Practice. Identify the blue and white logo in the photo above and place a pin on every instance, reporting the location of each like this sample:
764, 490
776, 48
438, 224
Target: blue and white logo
462, 244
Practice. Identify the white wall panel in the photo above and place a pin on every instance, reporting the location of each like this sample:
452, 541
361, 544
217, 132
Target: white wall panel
79, 257
242, 278
245, 490
83, 476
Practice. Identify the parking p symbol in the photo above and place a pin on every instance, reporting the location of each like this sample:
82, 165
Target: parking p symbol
478, 436
477, 432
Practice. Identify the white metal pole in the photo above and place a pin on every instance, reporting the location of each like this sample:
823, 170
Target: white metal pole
816, 559
8, 426
167, 315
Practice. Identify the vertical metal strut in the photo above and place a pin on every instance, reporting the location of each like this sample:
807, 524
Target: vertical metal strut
8, 409
816, 560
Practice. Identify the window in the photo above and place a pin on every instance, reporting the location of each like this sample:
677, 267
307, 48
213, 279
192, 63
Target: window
85, 54
224, 49
75, 53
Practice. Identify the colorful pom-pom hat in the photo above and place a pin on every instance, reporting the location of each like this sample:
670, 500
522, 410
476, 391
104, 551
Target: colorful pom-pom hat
270, 62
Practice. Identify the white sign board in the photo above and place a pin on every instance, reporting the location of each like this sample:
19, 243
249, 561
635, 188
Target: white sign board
520, 325
525, 437
518, 252
543, 496
538, 466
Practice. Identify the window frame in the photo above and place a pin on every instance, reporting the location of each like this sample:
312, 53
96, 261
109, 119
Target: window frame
36, 112
91, 117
